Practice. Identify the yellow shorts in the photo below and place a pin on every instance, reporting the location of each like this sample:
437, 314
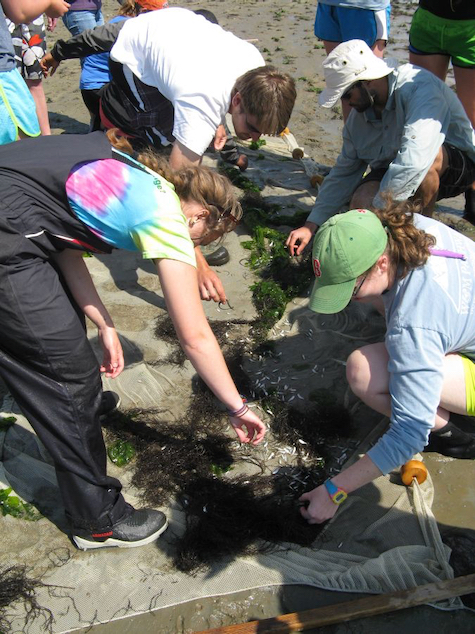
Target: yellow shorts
469, 370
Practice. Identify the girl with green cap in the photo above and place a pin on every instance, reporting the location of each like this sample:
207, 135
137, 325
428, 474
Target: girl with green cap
422, 274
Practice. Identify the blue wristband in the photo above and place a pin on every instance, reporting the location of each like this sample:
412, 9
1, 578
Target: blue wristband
337, 494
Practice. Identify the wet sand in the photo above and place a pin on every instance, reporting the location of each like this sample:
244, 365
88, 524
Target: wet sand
284, 30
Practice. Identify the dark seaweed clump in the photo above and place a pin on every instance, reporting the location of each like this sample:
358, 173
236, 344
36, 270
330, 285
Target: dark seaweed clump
243, 516
170, 454
309, 431
192, 460
462, 558
16, 586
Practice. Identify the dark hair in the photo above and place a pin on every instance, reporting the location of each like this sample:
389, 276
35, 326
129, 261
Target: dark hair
209, 15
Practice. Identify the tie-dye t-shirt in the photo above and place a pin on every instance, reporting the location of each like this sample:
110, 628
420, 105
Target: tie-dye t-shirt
130, 209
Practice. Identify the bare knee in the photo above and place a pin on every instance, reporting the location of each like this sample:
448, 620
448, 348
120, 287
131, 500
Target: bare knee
440, 162
363, 196
358, 373
34, 84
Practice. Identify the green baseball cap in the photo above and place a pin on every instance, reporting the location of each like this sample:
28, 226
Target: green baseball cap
345, 246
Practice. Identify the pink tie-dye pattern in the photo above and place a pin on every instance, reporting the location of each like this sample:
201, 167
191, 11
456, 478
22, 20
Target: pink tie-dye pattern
95, 185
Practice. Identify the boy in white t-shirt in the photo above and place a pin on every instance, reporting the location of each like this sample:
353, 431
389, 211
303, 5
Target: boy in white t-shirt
175, 75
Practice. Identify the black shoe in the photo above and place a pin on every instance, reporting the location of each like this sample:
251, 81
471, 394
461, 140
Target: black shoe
218, 257
110, 402
453, 442
469, 211
137, 529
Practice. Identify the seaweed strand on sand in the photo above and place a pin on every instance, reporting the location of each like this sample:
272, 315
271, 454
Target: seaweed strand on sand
15, 587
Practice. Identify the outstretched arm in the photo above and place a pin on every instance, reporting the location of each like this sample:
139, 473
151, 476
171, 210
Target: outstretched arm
209, 284
24, 11
320, 507
82, 288
180, 288
299, 238
181, 156
101, 39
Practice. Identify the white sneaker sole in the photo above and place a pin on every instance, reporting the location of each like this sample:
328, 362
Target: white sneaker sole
85, 544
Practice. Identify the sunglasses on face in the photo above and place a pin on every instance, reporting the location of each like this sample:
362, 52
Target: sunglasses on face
346, 95
225, 213
358, 286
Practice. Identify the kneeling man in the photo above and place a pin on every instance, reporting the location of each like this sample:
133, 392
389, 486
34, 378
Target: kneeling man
405, 123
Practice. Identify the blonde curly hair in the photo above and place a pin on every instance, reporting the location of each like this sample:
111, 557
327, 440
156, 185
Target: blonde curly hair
408, 247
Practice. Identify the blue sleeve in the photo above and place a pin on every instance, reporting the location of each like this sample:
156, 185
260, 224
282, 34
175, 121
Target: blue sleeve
341, 182
416, 357
426, 121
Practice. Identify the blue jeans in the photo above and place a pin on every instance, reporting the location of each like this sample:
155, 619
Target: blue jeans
78, 21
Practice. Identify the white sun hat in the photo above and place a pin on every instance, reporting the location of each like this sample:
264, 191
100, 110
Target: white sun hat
348, 63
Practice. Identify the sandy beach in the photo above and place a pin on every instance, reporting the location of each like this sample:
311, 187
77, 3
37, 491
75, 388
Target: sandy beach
309, 354
283, 32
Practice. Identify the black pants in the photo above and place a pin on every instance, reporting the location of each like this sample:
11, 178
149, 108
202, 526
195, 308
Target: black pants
50, 368
91, 100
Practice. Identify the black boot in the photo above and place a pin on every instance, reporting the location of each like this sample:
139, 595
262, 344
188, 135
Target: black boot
218, 257
452, 441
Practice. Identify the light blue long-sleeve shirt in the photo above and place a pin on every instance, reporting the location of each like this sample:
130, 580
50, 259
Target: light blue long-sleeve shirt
429, 314
420, 115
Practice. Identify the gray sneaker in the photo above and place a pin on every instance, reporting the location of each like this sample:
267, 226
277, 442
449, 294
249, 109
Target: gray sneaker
141, 527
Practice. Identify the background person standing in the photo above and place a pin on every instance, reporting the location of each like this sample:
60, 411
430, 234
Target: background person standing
443, 31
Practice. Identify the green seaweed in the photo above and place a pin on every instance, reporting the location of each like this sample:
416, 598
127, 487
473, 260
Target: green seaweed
258, 211
239, 180
219, 470
6, 422
255, 145
270, 301
282, 277
12, 505
121, 453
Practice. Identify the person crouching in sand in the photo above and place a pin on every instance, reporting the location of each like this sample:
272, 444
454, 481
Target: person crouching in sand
423, 273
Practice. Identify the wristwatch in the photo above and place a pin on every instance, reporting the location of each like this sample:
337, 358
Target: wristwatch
337, 494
